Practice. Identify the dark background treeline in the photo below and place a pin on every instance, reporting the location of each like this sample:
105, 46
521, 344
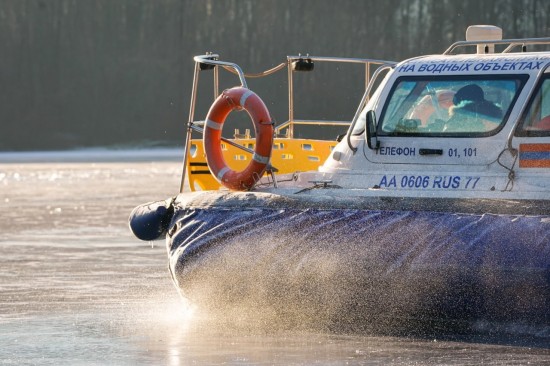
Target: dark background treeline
77, 73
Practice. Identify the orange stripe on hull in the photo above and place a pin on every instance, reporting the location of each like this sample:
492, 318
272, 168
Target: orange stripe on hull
534, 163
534, 147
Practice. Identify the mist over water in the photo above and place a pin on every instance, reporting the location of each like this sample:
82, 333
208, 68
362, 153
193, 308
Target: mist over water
77, 288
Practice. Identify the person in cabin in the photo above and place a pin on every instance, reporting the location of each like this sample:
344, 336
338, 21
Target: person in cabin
471, 112
433, 107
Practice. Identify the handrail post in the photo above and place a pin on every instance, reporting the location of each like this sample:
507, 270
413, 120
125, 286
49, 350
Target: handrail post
290, 133
189, 125
216, 82
367, 74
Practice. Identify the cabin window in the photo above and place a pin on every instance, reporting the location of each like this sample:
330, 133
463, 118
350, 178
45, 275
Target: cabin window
449, 106
536, 120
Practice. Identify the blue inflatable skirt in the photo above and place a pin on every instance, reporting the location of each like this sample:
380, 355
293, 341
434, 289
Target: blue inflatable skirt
360, 268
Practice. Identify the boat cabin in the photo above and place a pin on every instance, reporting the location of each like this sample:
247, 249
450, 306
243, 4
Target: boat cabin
454, 124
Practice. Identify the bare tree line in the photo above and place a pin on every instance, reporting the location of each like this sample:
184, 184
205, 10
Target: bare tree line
80, 73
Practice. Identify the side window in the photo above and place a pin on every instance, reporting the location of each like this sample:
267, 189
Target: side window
536, 121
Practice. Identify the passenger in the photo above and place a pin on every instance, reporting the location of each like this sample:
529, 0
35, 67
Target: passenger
471, 112
445, 98
429, 110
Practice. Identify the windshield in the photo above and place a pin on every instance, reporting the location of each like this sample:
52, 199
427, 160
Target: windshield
449, 106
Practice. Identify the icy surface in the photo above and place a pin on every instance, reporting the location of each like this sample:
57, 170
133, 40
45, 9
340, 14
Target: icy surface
77, 288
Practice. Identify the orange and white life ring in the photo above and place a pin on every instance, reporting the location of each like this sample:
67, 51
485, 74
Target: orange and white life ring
238, 98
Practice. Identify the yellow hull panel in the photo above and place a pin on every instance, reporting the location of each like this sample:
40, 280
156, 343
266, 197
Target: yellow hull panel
288, 156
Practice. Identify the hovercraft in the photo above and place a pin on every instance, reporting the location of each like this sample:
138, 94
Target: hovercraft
432, 210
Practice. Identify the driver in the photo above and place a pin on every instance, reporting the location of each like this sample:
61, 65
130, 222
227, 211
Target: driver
471, 112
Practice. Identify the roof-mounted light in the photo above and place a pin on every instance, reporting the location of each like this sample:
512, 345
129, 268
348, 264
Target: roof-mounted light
481, 33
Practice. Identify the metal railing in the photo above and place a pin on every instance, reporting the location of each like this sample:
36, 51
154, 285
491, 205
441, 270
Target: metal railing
512, 43
369, 64
212, 61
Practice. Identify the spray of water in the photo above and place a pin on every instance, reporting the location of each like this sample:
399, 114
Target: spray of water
385, 272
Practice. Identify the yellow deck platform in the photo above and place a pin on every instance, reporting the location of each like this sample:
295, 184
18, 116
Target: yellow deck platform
288, 156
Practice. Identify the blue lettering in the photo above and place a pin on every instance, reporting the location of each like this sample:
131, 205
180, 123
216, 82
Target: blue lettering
490, 64
406, 68
469, 180
384, 182
439, 68
528, 65
425, 181
447, 182
418, 182
447, 67
456, 182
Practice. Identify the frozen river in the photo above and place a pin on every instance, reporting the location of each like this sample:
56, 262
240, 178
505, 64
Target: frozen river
77, 288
